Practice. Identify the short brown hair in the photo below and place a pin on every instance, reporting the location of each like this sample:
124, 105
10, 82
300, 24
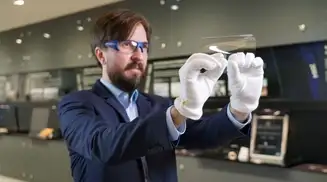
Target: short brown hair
117, 25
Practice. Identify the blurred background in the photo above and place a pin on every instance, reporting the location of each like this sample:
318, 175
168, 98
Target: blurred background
45, 54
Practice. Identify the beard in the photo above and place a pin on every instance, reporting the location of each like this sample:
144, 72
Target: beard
122, 82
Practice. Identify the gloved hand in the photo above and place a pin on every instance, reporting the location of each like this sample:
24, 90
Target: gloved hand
196, 86
245, 77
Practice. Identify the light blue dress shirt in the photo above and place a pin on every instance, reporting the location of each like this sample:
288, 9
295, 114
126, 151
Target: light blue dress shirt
129, 103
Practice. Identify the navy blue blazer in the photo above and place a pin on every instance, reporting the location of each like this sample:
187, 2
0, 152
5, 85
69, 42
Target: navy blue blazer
104, 147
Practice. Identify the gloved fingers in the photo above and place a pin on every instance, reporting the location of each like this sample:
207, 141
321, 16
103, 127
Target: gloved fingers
218, 56
200, 61
246, 61
249, 58
233, 70
257, 63
193, 65
253, 62
239, 58
257, 66
218, 71
220, 59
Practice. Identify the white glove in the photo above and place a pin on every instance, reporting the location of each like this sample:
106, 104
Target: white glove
196, 87
245, 77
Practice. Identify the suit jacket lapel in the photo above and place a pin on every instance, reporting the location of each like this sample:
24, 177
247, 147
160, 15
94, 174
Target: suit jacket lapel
103, 92
143, 104
118, 107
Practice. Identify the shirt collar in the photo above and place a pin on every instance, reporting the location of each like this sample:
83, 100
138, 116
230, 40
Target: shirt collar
122, 96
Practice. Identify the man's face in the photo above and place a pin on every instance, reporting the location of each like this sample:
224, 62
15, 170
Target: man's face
125, 70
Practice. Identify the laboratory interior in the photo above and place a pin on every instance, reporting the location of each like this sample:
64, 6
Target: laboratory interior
45, 55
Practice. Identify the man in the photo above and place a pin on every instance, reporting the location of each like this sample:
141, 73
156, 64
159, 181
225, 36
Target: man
116, 133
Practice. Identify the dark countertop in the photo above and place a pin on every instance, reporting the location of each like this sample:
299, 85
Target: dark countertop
49, 161
193, 169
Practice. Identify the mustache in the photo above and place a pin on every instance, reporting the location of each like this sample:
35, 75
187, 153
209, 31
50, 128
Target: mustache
134, 66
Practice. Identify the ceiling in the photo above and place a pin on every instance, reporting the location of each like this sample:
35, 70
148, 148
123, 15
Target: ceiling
34, 11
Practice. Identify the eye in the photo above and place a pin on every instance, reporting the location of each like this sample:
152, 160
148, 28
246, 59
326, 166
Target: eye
125, 44
145, 45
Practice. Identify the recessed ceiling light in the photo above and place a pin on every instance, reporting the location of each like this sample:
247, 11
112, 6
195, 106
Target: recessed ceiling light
162, 2
174, 7
80, 28
18, 2
163, 45
19, 41
46, 35
179, 44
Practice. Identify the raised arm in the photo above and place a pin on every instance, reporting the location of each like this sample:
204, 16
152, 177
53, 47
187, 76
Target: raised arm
95, 138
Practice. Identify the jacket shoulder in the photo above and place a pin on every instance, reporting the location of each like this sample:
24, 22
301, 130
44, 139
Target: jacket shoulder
77, 96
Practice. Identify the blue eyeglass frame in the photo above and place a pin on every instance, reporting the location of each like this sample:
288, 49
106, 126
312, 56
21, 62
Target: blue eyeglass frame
114, 44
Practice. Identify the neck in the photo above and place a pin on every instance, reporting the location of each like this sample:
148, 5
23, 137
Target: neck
106, 79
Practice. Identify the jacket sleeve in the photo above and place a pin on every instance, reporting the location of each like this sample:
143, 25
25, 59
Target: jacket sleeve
211, 131
94, 138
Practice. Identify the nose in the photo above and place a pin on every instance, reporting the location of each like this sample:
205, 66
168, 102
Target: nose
138, 55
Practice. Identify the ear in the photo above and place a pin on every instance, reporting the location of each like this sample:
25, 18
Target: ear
99, 53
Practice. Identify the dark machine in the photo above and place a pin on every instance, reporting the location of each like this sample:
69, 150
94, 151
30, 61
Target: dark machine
8, 119
37, 119
283, 133
290, 135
